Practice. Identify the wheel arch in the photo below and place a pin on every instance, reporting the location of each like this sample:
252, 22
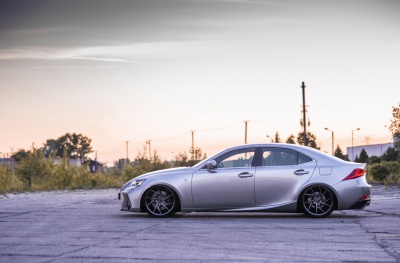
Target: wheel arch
305, 187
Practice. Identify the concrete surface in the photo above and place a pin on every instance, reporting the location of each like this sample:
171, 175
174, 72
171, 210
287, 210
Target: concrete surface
87, 226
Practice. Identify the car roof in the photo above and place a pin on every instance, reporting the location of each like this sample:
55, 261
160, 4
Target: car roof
321, 157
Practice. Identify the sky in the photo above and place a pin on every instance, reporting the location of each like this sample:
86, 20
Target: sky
118, 71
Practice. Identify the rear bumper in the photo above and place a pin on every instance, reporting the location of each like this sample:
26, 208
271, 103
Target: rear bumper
361, 204
353, 194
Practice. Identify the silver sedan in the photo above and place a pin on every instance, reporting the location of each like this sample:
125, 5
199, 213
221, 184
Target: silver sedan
253, 177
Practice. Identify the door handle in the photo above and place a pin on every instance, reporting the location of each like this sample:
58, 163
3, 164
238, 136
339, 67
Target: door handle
300, 172
245, 175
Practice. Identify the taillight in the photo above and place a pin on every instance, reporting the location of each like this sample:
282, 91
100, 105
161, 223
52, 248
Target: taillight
355, 174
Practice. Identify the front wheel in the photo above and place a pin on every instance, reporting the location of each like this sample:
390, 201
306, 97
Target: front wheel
160, 201
318, 201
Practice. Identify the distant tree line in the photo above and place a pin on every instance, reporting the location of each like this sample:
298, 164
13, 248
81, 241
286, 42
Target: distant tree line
37, 169
386, 168
73, 146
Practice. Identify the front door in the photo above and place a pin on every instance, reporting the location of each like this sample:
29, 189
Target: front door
231, 185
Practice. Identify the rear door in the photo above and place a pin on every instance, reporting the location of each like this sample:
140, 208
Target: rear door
281, 172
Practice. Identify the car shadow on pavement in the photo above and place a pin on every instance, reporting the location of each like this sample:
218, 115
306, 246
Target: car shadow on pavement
250, 215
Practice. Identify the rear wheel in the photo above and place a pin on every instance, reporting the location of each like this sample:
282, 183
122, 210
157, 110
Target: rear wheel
318, 201
160, 201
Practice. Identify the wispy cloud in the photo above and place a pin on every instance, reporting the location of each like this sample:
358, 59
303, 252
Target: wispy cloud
104, 59
136, 53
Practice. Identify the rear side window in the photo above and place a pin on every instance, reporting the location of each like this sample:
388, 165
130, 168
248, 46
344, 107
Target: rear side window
282, 157
301, 158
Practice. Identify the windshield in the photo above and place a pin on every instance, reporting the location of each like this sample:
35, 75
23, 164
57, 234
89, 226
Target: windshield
203, 162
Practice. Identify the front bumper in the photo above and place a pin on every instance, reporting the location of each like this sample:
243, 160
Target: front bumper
126, 203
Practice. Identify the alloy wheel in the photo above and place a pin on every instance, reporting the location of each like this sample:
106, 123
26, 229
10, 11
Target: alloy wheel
160, 201
318, 201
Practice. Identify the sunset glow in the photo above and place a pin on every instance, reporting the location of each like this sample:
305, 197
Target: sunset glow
133, 71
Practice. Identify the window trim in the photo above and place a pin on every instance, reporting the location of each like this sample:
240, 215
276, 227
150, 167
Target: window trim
261, 151
253, 162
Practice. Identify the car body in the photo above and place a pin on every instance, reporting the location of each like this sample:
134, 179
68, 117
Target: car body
274, 177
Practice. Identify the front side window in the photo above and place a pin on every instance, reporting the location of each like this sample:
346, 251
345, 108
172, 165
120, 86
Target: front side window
237, 158
282, 157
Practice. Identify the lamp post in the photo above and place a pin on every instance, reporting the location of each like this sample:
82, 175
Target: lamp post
269, 137
333, 140
352, 143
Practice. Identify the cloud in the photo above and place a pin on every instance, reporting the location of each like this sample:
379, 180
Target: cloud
135, 53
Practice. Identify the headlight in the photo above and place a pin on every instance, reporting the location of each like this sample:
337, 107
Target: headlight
137, 183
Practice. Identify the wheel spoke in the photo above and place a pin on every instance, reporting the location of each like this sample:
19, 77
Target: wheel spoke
165, 207
327, 200
320, 208
168, 196
152, 201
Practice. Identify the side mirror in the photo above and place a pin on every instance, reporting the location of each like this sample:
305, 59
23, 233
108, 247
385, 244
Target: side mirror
211, 165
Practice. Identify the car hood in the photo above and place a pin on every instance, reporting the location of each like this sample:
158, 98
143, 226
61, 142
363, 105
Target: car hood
164, 171
156, 173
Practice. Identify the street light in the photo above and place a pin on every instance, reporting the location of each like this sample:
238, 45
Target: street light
269, 137
352, 140
333, 140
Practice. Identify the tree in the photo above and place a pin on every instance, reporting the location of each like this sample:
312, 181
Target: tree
197, 154
181, 159
373, 159
76, 146
339, 154
311, 138
395, 127
395, 122
390, 155
277, 138
290, 139
20, 155
363, 157
34, 167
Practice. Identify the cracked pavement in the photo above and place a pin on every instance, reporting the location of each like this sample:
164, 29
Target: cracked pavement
87, 226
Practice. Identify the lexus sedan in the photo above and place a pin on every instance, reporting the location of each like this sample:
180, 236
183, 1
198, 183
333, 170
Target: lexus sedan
253, 177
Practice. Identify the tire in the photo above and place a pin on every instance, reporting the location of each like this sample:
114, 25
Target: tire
318, 201
160, 201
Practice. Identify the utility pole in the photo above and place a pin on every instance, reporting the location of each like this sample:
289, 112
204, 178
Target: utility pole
192, 157
245, 131
303, 87
192, 139
127, 156
149, 143
95, 162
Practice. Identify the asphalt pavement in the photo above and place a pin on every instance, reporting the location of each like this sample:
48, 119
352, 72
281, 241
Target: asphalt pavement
87, 226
